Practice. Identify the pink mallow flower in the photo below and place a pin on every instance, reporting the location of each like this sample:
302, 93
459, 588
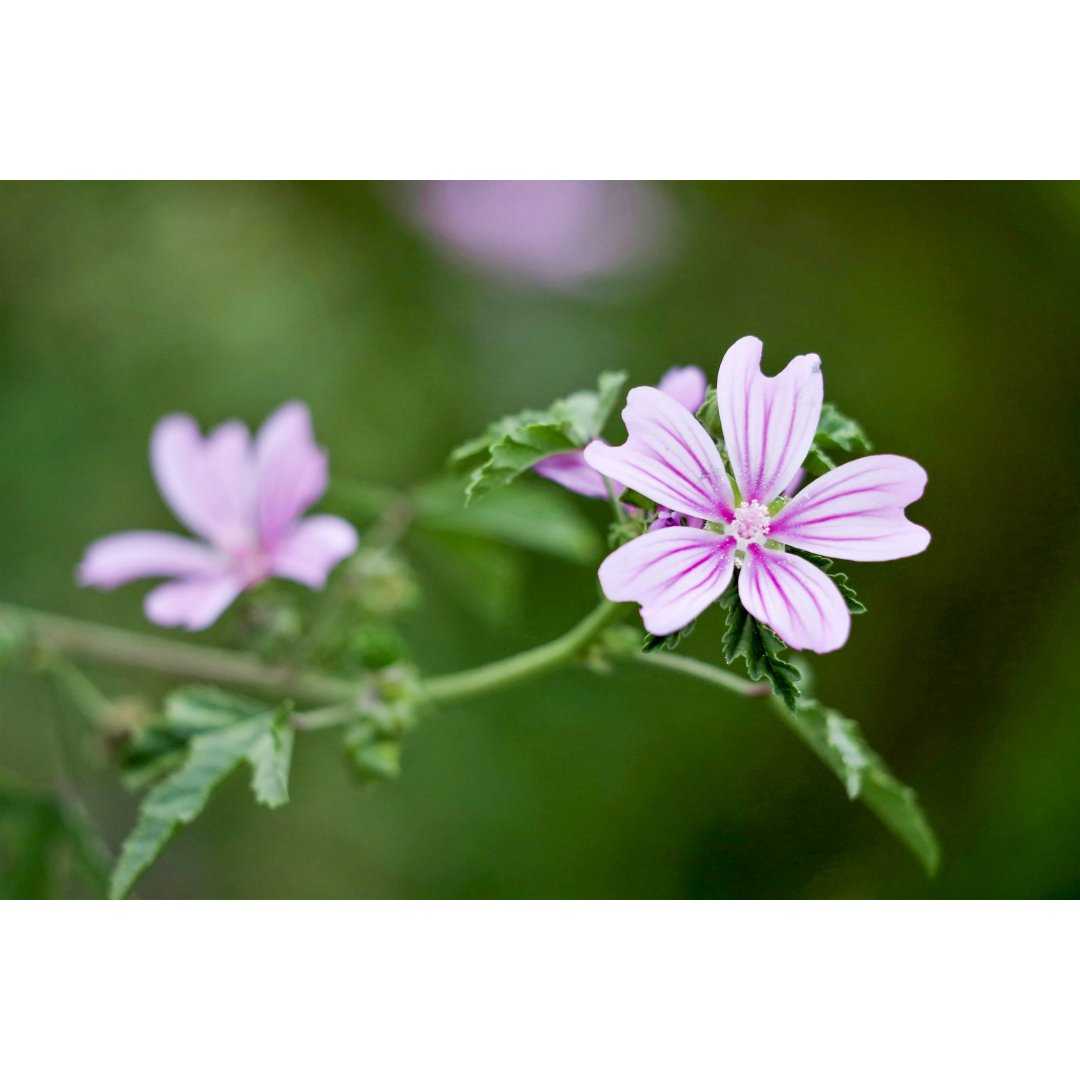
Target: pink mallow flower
687, 385
854, 512
245, 499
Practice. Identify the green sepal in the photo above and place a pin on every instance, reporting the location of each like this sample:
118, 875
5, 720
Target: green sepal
840, 579
372, 754
759, 647
515, 443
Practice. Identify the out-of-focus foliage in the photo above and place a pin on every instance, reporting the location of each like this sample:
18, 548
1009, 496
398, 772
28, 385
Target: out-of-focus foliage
946, 319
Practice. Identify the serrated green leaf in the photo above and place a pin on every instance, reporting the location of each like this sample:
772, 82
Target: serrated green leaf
840, 744
759, 647
841, 580
180, 797
668, 642
270, 757
837, 437
514, 444
191, 710
537, 517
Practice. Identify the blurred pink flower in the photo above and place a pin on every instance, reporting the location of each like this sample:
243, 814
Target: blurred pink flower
686, 385
557, 233
245, 499
854, 512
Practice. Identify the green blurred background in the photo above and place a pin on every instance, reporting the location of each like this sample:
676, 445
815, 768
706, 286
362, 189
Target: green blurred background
948, 322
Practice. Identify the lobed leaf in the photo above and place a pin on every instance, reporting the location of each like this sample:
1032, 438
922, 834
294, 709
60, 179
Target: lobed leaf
837, 437
270, 757
265, 741
515, 443
840, 744
759, 647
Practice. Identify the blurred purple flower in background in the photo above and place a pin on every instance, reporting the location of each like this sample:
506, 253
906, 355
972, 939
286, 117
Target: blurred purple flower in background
245, 498
555, 233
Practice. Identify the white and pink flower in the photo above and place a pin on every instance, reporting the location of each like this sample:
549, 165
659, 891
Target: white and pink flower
854, 512
244, 497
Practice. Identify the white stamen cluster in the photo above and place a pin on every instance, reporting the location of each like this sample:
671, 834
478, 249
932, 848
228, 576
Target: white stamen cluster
751, 523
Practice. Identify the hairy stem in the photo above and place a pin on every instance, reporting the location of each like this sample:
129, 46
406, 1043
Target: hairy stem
698, 669
76, 639
525, 665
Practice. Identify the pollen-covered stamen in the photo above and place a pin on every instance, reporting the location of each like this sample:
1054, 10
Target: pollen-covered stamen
751, 523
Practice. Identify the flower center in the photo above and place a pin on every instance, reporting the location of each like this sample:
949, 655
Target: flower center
751, 523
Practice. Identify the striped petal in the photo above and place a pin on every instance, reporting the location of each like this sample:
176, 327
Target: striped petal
668, 456
857, 511
674, 574
794, 598
768, 421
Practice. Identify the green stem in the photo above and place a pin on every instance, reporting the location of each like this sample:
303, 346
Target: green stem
102, 644
698, 669
616, 505
90, 641
526, 665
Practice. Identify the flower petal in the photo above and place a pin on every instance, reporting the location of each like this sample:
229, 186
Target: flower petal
674, 574
687, 385
208, 483
192, 604
176, 457
768, 422
794, 598
668, 456
127, 556
570, 471
313, 549
291, 470
857, 511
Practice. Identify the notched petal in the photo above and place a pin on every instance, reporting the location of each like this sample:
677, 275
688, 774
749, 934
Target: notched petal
768, 421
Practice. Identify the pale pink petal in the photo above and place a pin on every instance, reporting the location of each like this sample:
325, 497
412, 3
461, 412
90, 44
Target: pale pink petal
229, 470
313, 549
193, 604
209, 483
668, 456
570, 471
292, 470
127, 556
673, 573
794, 598
768, 421
176, 457
687, 385
857, 511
